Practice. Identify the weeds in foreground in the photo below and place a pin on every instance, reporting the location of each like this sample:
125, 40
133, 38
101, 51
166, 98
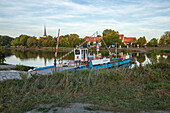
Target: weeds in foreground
138, 89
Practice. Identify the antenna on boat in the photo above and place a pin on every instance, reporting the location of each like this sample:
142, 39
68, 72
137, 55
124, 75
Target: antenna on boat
57, 47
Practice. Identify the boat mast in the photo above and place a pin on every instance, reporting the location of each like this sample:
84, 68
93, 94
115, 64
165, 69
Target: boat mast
56, 47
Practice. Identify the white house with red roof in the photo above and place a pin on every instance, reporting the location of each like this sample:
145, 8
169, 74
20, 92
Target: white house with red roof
126, 40
93, 39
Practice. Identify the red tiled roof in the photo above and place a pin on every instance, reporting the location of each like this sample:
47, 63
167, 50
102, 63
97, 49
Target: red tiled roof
92, 39
128, 39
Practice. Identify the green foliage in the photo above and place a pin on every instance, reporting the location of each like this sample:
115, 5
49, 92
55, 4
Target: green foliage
2, 56
20, 41
23, 40
98, 35
111, 37
31, 42
134, 42
15, 42
91, 43
70, 40
22, 68
65, 41
5, 40
141, 41
152, 43
165, 39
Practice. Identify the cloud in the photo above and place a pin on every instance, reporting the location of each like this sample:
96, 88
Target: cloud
84, 17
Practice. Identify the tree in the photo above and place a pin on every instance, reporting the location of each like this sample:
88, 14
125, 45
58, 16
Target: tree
54, 42
23, 40
99, 36
152, 42
91, 43
31, 42
15, 42
49, 41
165, 39
64, 42
70, 40
110, 37
134, 42
40, 42
5, 40
2, 56
141, 41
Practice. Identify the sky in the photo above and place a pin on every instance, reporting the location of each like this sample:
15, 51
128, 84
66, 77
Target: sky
133, 18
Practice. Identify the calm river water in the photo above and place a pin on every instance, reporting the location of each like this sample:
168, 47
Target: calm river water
46, 58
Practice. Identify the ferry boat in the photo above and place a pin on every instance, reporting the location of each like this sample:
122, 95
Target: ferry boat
83, 60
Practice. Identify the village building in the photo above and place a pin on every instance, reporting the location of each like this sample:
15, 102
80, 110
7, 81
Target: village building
93, 40
127, 40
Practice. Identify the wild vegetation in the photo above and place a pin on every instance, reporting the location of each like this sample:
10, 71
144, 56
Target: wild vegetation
131, 90
2, 56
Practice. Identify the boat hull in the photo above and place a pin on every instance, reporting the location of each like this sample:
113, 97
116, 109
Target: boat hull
51, 69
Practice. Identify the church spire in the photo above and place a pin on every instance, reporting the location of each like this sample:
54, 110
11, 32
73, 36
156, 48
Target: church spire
45, 31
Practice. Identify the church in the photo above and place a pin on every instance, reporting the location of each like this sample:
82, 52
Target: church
45, 34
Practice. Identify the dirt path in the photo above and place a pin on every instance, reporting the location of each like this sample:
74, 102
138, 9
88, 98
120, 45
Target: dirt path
73, 108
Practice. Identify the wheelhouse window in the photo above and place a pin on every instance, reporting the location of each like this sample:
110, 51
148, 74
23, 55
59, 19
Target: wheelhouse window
82, 51
77, 52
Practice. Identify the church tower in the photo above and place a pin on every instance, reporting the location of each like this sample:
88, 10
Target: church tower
45, 35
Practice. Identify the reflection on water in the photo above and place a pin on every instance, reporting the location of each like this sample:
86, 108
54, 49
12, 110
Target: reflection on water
46, 58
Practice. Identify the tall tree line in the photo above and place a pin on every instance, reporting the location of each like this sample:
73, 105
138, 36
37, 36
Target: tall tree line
71, 40
31, 41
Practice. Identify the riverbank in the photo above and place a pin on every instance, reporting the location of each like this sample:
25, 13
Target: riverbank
52, 49
116, 90
5, 66
67, 49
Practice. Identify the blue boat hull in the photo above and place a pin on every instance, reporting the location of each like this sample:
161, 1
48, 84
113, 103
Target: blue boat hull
102, 66
90, 66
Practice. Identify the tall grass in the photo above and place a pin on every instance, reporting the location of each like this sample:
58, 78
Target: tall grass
141, 88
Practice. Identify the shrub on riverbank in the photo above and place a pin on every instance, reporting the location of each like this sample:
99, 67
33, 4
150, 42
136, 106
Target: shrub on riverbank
142, 88
22, 68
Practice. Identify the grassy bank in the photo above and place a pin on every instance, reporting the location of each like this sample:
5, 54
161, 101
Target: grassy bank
4, 66
53, 49
159, 50
131, 90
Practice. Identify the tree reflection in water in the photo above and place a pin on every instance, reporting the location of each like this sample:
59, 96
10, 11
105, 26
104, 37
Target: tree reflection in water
32, 55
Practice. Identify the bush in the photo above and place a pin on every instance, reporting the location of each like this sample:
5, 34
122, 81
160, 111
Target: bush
22, 68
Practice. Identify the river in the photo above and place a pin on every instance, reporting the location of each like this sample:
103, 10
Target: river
46, 58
